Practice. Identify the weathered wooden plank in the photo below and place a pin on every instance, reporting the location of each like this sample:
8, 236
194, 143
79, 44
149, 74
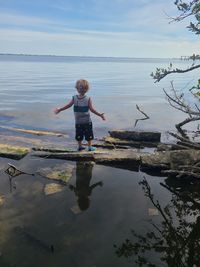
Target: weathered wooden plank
34, 132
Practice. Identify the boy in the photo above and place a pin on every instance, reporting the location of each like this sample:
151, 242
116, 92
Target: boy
82, 107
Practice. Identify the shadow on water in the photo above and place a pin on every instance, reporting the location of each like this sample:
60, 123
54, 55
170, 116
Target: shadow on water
175, 240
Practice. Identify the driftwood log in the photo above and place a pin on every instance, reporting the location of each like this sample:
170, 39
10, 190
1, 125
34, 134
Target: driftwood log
136, 136
124, 143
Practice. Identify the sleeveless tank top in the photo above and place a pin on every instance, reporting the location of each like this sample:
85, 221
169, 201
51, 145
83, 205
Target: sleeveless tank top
81, 110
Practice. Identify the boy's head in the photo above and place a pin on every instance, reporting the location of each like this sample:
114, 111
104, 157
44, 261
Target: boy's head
82, 86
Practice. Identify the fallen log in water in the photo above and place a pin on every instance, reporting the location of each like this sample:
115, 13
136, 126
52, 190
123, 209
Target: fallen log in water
117, 142
180, 158
156, 161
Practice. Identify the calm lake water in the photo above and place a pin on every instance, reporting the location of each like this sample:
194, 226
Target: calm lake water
31, 87
107, 217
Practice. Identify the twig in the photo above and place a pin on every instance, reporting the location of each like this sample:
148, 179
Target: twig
180, 174
145, 118
189, 145
190, 168
197, 164
177, 102
184, 14
185, 141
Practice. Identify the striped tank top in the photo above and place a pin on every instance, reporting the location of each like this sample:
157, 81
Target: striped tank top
81, 109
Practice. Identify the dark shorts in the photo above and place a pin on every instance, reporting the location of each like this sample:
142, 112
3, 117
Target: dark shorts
84, 131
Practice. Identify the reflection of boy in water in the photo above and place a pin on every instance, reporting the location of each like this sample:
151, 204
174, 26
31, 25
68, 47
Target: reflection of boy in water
83, 189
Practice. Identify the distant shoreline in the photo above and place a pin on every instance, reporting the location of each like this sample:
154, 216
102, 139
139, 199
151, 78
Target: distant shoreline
88, 57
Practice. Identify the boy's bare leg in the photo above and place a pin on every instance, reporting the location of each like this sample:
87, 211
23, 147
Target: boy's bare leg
89, 143
90, 147
79, 143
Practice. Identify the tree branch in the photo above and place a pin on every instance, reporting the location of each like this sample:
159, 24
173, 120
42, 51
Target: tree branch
161, 73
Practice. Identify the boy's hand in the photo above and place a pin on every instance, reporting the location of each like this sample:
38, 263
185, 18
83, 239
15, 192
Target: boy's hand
101, 183
103, 116
56, 110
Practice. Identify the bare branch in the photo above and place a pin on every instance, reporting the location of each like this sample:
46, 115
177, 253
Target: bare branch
189, 145
179, 125
185, 141
177, 102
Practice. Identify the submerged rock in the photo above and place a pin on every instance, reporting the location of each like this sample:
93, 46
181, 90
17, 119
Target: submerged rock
75, 210
62, 173
53, 188
153, 212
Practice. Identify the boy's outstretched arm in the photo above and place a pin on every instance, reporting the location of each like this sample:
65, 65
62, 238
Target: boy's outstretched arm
96, 184
94, 111
57, 110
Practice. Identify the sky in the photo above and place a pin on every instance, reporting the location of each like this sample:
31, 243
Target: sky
103, 28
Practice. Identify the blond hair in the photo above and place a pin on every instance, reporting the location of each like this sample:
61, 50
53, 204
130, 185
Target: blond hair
83, 83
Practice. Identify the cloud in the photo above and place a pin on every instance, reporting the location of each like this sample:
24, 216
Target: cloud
16, 19
136, 21
92, 44
137, 31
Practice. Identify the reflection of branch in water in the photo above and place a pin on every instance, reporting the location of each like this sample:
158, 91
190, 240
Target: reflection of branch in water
11, 184
186, 197
176, 240
34, 240
13, 172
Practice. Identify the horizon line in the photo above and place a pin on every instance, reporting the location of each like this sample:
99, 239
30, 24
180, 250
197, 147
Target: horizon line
114, 57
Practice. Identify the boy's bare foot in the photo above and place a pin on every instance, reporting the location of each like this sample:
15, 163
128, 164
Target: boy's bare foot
81, 148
